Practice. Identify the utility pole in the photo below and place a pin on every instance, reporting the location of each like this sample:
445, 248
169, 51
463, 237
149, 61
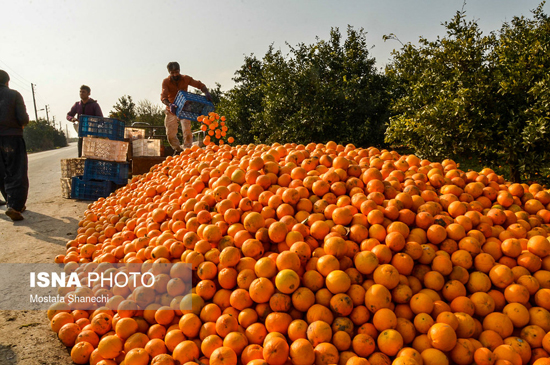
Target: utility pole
34, 101
47, 116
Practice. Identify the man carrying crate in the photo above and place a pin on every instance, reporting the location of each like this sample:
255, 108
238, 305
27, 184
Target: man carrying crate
170, 87
86, 106
14, 180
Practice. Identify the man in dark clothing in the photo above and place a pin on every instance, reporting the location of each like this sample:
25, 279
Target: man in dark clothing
86, 106
14, 181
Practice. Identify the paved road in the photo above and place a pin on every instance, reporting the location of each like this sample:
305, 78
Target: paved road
50, 221
45, 172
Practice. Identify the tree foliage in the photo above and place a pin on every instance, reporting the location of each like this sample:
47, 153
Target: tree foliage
329, 90
144, 112
41, 136
124, 109
521, 71
473, 94
147, 112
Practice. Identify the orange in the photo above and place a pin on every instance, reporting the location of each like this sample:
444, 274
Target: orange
110, 347
81, 352
68, 334
252, 352
137, 356
390, 342
237, 341
318, 332
186, 351
325, 354
137, 340
338, 281
275, 351
507, 352
287, 281
61, 319
126, 327
223, 356
500, 323
302, 352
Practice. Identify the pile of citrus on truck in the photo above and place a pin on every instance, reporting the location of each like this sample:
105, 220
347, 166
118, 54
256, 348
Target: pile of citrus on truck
318, 254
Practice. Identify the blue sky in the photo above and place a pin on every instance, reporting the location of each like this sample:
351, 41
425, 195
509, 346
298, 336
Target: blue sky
121, 47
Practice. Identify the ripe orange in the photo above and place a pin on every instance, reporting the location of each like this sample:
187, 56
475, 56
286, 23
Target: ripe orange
310, 253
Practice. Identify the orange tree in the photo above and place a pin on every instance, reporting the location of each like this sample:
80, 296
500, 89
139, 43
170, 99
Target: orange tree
242, 105
522, 61
473, 94
329, 90
124, 109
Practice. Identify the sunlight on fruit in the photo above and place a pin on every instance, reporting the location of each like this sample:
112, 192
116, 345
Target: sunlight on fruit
319, 254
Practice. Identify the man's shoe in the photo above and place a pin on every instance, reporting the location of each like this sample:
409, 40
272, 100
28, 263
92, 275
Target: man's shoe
2, 202
14, 214
24, 208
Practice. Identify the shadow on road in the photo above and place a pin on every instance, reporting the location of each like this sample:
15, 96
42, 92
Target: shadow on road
7, 356
46, 228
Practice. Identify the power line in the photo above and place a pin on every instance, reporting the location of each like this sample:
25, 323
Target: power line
41, 97
20, 85
21, 81
15, 79
22, 78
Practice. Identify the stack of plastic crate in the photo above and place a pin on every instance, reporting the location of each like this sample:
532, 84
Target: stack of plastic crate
70, 167
105, 151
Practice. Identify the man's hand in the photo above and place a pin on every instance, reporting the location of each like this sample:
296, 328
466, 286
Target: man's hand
206, 93
173, 108
74, 120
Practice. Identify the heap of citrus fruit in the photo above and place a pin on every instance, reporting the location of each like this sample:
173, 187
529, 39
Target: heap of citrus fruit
320, 254
215, 127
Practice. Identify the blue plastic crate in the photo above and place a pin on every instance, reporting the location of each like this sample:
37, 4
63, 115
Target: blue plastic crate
90, 189
116, 172
101, 127
191, 106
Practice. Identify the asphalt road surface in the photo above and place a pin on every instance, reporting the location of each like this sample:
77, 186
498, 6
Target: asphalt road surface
50, 221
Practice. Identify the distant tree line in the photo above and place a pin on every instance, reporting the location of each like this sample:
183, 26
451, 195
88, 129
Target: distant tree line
40, 135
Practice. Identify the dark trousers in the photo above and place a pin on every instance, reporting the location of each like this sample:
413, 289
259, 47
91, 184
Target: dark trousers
14, 181
80, 139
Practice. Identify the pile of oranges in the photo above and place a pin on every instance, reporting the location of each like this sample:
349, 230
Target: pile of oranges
319, 254
215, 127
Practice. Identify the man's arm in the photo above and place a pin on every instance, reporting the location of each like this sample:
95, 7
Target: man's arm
202, 87
72, 113
21, 111
196, 83
164, 93
98, 111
